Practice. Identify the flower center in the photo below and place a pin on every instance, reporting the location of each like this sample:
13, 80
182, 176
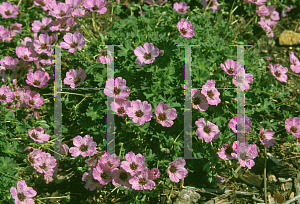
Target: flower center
277, 74
133, 166
139, 113
196, 101
104, 54
62, 14
94, 8
207, 129
83, 148
104, 175
180, 10
183, 31
44, 167
210, 94
147, 56
142, 181
229, 150
8, 13
36, 82
117, 91
73, 45
109, 163
173, 169
63, 25
239, 79
21, 196
34, 135
294, 129
76, 80
44, 56
121, 110
162, 116
239, 127
262, 136
123, 176
2, 97
31, 102
230, 71
26, 57
43, 46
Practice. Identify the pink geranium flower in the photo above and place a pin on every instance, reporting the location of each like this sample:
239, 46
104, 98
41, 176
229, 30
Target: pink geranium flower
154, 174
266, 27
240, 127
242, 82
141, 181
199, 101
231, 66
104, 58
73, 79
61, 10
146, 54
257, 2
133, 163
4, 34
79, 13
246, 153
15, 28
73, 3
37, 134
38, 79
266, 137
26, 53
121, 177
286, 9
274, 15
116, 88
119, 106
207, 131
295, 64
22, 194
211, 93
63, 24
228, 151
142, 13
95, 6
262, 10
83, 146
279, 71
292, 125
159, 2
164, 115
6, 95
112, 160
8, 11
181, 7
185, 28
91, 183
42, 3
43, 26
33, 99
214, 5
8, 63
102, 173
176, 169
140, 112
73, 41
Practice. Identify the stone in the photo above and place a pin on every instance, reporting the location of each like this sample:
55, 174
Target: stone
187, 196
288, 37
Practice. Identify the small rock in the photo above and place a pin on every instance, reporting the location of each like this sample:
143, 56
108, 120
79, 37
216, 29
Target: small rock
283, 180
288, 186
265, 51
290, 48
272, 178
288, 37
187, 196
297, 48
275, 55
291, 195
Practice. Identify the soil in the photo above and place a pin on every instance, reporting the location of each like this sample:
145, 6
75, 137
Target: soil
280, 150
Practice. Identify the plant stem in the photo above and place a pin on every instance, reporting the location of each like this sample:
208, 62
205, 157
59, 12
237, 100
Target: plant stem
207, 7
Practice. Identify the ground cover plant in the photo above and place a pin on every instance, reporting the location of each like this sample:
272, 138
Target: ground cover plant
148, 89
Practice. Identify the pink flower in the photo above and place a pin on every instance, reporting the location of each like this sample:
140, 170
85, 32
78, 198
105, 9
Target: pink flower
266, 137
15, 28
73, 41
43, 26
83, 146
220, 179
6, 95
121, 177
241, 81
142, 13
79, 13
95, 6
164, 116
186, 28
286, 9
292, 125
37, 134
102, 173
73, 79
63, 24
176, 169
133, 163
257, 2
269, 58
146, 54
38, 79
73, 3
214, 5
4, 34
231, 67
141, 181
61, 10
104, 58
64, 149
199, 101
91, 183
262, 10
161, 52
274, 15
181, 7
112, 160
295, 64
93, 161
211, 93
240, 127
8, 63
42, 3
159, 2
8, 11
154, 174
116, 88
246, 153
26, 53
33, 99
23, 194
119, 106
207, 131
279, 71
266, 27
140, 112
35, 158
228, 151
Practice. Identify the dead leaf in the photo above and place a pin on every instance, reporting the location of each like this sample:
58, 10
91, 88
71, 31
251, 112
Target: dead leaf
278, 197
